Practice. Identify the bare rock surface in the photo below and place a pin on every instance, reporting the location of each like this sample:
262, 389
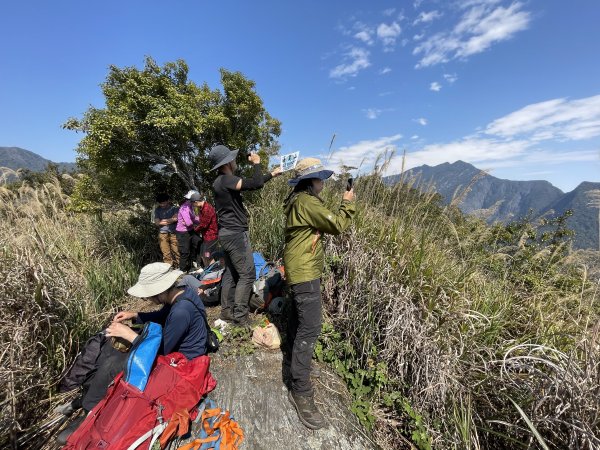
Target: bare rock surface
251, 388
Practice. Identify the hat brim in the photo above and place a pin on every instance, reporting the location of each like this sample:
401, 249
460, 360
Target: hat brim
150, 290
227, 159
320, 175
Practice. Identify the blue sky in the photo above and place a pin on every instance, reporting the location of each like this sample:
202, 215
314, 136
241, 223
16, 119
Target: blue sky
509, 86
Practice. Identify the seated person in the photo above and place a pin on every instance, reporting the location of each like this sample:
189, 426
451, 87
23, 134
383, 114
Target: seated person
182, 318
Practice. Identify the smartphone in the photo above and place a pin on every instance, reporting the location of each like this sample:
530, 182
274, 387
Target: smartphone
349, 184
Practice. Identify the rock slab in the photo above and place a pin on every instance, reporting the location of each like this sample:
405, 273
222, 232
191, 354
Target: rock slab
251, 388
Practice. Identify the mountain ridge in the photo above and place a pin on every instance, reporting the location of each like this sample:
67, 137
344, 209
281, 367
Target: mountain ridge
499, 200
15, 158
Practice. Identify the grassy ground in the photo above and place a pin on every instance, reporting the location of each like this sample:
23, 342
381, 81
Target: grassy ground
62, 276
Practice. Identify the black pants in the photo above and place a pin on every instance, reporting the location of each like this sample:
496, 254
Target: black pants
110, 362
303, 330
239, 275
188, 243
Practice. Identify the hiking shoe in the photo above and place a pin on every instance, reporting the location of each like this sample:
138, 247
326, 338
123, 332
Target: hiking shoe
63, 436
226, 316
307, 411
66, 409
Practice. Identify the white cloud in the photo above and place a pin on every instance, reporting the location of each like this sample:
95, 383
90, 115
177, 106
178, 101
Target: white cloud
435, 86
472, 149
385, 70
465, 4
558, 119
482, 25
450, 77
417, 3
362, 154
510, 141
372, 113
388, 34
426, 17
389, 11
364, 36
418, 37
356, 60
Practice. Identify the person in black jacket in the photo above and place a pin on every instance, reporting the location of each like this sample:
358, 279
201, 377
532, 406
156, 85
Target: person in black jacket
232, 220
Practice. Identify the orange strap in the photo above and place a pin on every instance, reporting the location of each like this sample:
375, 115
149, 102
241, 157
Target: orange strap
180, 423
231, 434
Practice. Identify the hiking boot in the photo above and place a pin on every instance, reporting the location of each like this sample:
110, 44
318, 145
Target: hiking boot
307, 411
67, 409
63, 436
226, 316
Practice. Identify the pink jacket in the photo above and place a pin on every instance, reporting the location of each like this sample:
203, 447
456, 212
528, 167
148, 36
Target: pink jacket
186, 219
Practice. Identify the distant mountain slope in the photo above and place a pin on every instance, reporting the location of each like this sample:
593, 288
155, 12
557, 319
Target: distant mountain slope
18, 158
500, 200
584, 220
493, 198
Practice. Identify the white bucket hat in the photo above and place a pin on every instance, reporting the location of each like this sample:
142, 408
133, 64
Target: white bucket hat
154, 279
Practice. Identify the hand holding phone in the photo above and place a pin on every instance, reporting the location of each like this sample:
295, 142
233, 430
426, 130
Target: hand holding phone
254, 158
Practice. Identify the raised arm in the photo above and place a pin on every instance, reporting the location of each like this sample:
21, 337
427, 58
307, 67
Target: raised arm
326, 221
258, 179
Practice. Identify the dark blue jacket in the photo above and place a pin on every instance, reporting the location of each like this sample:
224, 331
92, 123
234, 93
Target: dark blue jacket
184, 326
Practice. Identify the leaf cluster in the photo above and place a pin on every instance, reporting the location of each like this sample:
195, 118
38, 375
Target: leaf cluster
157, 126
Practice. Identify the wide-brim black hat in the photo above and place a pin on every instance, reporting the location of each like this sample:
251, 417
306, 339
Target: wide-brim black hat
220, 155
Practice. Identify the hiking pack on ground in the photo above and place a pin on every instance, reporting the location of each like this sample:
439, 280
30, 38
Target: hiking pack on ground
141, 402
210, 278
269, 284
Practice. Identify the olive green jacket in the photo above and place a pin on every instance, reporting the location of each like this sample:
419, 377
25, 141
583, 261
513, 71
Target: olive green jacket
307, 219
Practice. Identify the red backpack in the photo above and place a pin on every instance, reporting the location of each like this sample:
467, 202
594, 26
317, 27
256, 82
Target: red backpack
128, 415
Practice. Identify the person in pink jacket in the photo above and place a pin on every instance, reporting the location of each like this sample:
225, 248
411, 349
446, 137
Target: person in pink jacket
188, 239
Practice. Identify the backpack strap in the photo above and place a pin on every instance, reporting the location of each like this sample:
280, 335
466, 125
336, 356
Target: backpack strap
222, 429
153, 433
203, 314
179, 423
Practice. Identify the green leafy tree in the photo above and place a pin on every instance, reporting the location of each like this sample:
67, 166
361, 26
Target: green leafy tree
157, 128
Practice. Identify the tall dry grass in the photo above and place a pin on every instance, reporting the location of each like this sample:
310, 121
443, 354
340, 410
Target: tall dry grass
452, 338
61, 276
448, 335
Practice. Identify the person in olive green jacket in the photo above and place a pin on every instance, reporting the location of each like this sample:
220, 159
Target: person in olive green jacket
307, 219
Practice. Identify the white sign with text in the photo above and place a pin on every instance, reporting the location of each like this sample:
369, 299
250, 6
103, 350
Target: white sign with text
289, 161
